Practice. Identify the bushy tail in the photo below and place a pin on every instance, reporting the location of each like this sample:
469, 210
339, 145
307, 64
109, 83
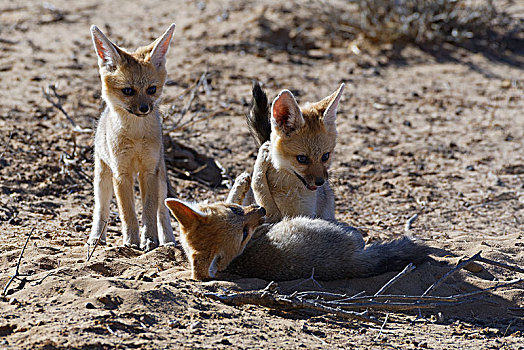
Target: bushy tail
394, 255
258, 116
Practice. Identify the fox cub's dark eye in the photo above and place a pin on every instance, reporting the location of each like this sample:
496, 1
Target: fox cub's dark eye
325, 157
302, 159
128, 91
151, 90
245, 232
237, 211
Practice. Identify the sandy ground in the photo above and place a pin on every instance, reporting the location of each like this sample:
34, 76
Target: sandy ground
440, 134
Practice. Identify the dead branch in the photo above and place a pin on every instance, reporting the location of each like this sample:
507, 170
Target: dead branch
191, 122
386, 297
324, 295
382, 327
410, 267
17, 273
395, 306
56, 101
52, 272
264, 298
6, 144
498, 286
187, 106
312, 279
451, 272
346, 306
499, 264
410, 222
89, 255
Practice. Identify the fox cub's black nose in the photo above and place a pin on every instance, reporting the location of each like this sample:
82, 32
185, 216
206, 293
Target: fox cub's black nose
263, 210
144, 108
319, 181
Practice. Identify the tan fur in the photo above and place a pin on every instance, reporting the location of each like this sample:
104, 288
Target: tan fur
206, 235
128, 141
309, 131
214, 240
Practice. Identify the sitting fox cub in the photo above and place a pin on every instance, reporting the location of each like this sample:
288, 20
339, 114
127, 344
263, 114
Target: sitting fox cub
128, 141
296, 146
223, 236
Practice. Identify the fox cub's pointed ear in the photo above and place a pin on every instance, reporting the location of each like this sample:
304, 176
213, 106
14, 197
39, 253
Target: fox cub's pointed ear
183, 213
107, 52
158, 54
285, 113
330, 114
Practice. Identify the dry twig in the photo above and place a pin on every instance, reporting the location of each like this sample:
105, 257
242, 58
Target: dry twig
450, 273
312, 279
499, 264
410, 222
56, 101
89, 255
6, 144
17, 273
345, 306
187, 106
410, 267
272, 300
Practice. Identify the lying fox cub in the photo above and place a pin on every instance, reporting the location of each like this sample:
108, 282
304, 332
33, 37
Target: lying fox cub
229, 236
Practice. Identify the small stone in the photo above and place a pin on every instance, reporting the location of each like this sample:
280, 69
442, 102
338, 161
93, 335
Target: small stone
196, 325
90, 306
147, 279
13, 301
174, 323
139, 276
103, 299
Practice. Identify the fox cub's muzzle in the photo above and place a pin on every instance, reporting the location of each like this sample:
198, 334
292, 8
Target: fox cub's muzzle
255, 214
313, 181
140, 110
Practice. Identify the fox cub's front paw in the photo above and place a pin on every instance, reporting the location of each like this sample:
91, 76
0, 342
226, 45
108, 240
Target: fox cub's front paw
264, 152
92, 241
243, 180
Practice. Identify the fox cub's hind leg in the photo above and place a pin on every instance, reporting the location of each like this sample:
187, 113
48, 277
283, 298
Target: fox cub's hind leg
103, 193
165, 230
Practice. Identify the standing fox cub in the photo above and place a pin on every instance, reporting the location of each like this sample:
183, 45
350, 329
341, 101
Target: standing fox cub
223, 236
128, 141
296, 146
